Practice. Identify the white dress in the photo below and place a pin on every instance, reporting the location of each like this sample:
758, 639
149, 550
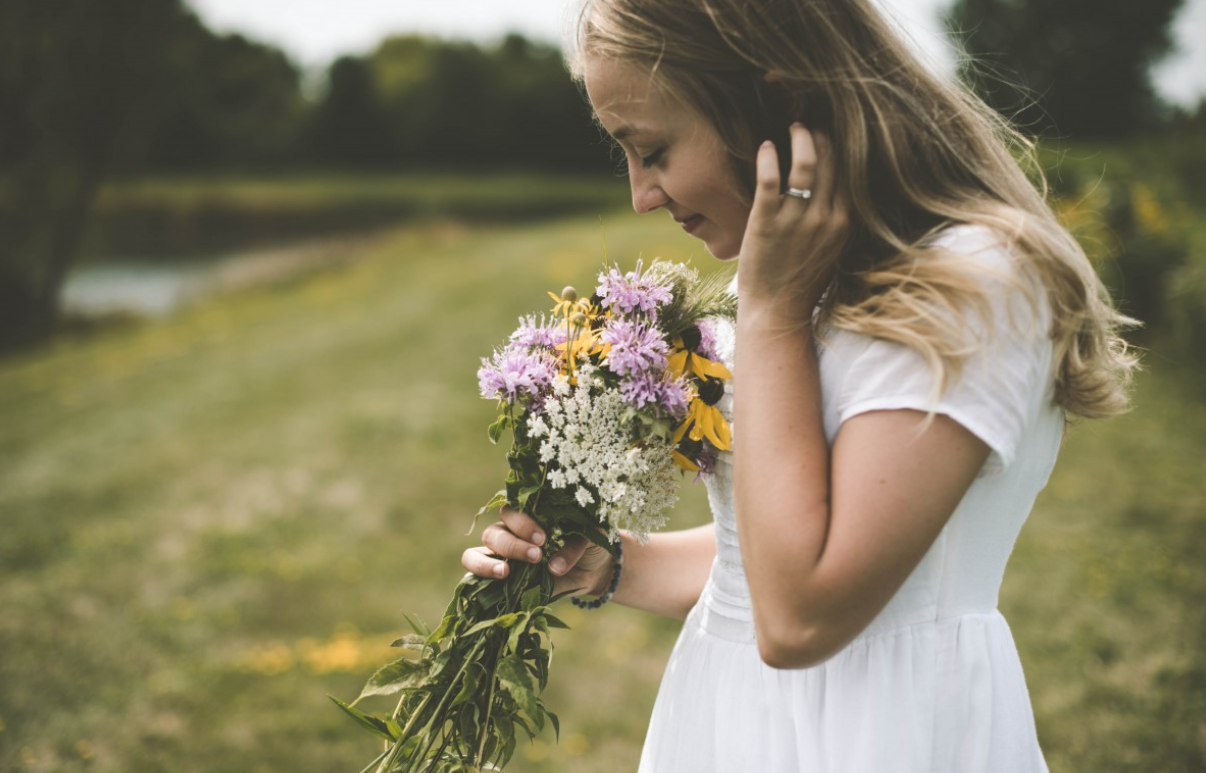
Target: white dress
934, 684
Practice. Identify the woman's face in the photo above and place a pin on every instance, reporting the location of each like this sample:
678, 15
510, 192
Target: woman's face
676, 160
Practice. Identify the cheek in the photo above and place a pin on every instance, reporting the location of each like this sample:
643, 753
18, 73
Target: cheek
738, 212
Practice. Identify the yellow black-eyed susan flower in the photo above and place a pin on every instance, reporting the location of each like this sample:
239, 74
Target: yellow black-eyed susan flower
685, 359
704, 419
684, 463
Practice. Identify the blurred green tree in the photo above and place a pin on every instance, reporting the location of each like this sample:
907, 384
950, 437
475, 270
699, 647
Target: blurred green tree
544, 118
349, 126
78, 81
1075, 68
93, 87
454, 105
235, 103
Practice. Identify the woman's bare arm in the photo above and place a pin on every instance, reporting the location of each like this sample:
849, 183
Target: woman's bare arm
664, 576
827, 536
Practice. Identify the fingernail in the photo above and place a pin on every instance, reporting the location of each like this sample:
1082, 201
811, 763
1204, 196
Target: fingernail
767, 143
500, 570
534, 554
557, 565
538, 538
797, 124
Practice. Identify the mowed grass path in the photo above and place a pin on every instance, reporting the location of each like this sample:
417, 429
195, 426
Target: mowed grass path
211, 522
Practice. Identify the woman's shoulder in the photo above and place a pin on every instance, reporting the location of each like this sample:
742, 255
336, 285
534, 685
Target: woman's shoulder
976, 245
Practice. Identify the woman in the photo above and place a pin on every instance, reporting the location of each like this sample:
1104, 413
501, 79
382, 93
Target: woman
913, 328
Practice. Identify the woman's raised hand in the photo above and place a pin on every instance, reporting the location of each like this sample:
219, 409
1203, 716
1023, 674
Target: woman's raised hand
579, 566
791, 244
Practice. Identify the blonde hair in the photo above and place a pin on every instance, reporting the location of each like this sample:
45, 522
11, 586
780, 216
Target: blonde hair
915, 156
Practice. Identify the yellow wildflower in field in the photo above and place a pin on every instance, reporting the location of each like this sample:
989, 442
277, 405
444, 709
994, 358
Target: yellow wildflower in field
1149, 215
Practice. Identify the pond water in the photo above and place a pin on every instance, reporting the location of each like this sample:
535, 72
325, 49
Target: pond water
145, 288
136, 288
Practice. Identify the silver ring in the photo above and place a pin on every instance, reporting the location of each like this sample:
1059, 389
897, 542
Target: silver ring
800, 193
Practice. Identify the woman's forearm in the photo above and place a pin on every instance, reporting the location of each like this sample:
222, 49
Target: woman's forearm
828, 536
781, 465
666, 575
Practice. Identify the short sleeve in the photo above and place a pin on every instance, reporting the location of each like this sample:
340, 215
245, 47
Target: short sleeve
998, 388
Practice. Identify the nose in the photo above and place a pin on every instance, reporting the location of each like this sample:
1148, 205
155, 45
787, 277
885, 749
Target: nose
647, 194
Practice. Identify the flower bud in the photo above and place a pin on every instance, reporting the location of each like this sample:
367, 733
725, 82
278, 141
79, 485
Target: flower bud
569, 294
578, 319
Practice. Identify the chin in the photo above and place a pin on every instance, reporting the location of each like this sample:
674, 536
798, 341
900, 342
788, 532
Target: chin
723, 250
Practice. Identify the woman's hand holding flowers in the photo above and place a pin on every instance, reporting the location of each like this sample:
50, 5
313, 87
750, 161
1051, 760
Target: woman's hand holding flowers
579, 566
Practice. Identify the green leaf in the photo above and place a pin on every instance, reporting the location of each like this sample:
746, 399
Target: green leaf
496, 501
439, 663
555, 622
446, 626
590, 530
391, 678
525, 495
530, 600
511, 620
370, 723
469, 682
411, 641
541, 659
492, 745
506, 729
514, 677
556, 722
527, 728
417, 625
490, 595
514, 643
503, 621
496, 429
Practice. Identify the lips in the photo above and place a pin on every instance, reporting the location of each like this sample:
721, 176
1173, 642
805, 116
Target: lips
689, 224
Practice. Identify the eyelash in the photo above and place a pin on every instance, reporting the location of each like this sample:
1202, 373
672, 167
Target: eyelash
652, 158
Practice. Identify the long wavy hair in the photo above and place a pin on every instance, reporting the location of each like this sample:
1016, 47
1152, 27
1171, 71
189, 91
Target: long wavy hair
914, 155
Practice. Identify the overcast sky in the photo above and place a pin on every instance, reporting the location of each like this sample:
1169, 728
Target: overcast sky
314, 32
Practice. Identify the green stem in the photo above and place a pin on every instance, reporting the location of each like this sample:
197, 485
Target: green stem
569, 348
377, 761
481, 749
443, 747
396, 750
448, 694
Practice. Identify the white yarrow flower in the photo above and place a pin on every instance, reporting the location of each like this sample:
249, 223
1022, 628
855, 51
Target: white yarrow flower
589, 445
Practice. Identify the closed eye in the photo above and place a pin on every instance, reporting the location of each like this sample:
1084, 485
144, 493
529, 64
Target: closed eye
652, 158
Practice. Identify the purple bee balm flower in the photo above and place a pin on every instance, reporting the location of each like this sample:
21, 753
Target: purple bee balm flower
649, 388
707, 341
675, 397
512, 374
531, 334
706, 461
635, 348
630, 292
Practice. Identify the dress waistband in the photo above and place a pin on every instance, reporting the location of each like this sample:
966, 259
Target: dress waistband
725, 612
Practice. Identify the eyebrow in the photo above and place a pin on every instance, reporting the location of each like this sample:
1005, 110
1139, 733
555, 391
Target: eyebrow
626, 131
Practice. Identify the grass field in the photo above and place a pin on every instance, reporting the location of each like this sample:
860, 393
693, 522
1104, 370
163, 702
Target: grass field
213, 521
169, 217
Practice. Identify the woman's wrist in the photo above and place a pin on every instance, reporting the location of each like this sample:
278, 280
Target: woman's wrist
774, 316
608, 582
603, 580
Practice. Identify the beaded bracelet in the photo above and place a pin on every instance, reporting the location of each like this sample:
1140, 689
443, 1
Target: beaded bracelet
611, 589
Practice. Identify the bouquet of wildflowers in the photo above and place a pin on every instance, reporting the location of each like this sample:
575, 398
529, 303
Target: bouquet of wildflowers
605, 399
